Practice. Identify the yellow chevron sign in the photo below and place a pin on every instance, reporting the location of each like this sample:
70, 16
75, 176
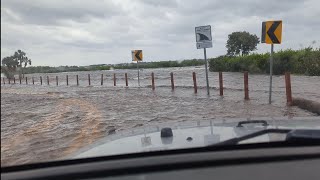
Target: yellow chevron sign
271, 32
137, 55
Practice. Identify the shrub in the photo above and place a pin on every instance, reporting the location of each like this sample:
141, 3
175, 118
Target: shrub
305, 61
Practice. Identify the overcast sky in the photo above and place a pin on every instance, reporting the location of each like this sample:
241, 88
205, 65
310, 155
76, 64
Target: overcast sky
70, 32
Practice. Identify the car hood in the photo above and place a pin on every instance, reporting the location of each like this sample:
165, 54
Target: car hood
189, 134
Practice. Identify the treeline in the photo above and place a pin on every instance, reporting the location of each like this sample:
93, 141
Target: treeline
160, 64
48, 69
305, 61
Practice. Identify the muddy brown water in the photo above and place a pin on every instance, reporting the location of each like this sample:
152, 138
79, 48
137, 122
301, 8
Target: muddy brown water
43, 123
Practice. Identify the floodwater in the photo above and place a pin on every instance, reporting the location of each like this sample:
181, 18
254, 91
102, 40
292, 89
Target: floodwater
48, 122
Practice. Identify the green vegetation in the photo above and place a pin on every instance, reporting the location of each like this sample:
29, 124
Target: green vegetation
48, 69
305, 61
18, 61
160, 64
241, 43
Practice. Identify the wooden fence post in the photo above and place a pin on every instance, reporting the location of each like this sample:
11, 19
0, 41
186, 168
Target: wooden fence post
41, 80
101, 79
288, 88
221, 83
195, 82
126, 77
152, 80
33, 80
172, 81
26, 80
114, 79
77, 77
48, 81
67, 78
57, 81
89, 81
246, 86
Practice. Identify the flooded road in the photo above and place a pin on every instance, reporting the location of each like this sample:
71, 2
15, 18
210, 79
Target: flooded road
42, 123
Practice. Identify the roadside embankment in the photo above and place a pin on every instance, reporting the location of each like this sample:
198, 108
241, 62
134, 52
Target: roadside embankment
309, 105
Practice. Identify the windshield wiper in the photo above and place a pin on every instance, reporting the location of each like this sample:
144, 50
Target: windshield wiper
292, 136
263, 122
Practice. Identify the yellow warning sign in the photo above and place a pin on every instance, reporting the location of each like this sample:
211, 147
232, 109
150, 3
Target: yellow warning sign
137, 55
271, 32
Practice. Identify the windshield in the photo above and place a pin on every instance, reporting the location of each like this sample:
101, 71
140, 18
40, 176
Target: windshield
93, 78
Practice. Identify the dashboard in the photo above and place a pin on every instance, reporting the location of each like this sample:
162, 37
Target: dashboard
261, 162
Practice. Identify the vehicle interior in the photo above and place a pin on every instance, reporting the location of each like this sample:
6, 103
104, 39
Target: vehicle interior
294, 158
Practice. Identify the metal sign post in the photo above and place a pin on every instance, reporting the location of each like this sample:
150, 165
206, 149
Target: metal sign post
271, 34
206, 64
204, 41
137, 56
138, 73
271, 72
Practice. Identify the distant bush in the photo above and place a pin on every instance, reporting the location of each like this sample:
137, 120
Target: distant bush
193, 62
161, 64
48, 69
9, 73
305, 61
144, 65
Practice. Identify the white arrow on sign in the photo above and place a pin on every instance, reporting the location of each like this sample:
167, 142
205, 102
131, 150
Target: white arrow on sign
203, 33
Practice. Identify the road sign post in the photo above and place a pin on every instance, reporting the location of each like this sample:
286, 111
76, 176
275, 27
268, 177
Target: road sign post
271, 72
206, 64
271, 34
137, 56
138, 73
203, 41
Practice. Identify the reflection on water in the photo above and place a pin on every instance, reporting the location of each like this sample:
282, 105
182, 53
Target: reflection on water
40, 123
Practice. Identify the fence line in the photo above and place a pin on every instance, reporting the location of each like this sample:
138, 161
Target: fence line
153, 86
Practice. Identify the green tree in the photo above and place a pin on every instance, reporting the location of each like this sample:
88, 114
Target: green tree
23, 60
241, 43
9, 66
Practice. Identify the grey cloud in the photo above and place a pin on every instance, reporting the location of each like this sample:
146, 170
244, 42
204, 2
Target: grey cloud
239, 8
78, 30
163, 3
44, 12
